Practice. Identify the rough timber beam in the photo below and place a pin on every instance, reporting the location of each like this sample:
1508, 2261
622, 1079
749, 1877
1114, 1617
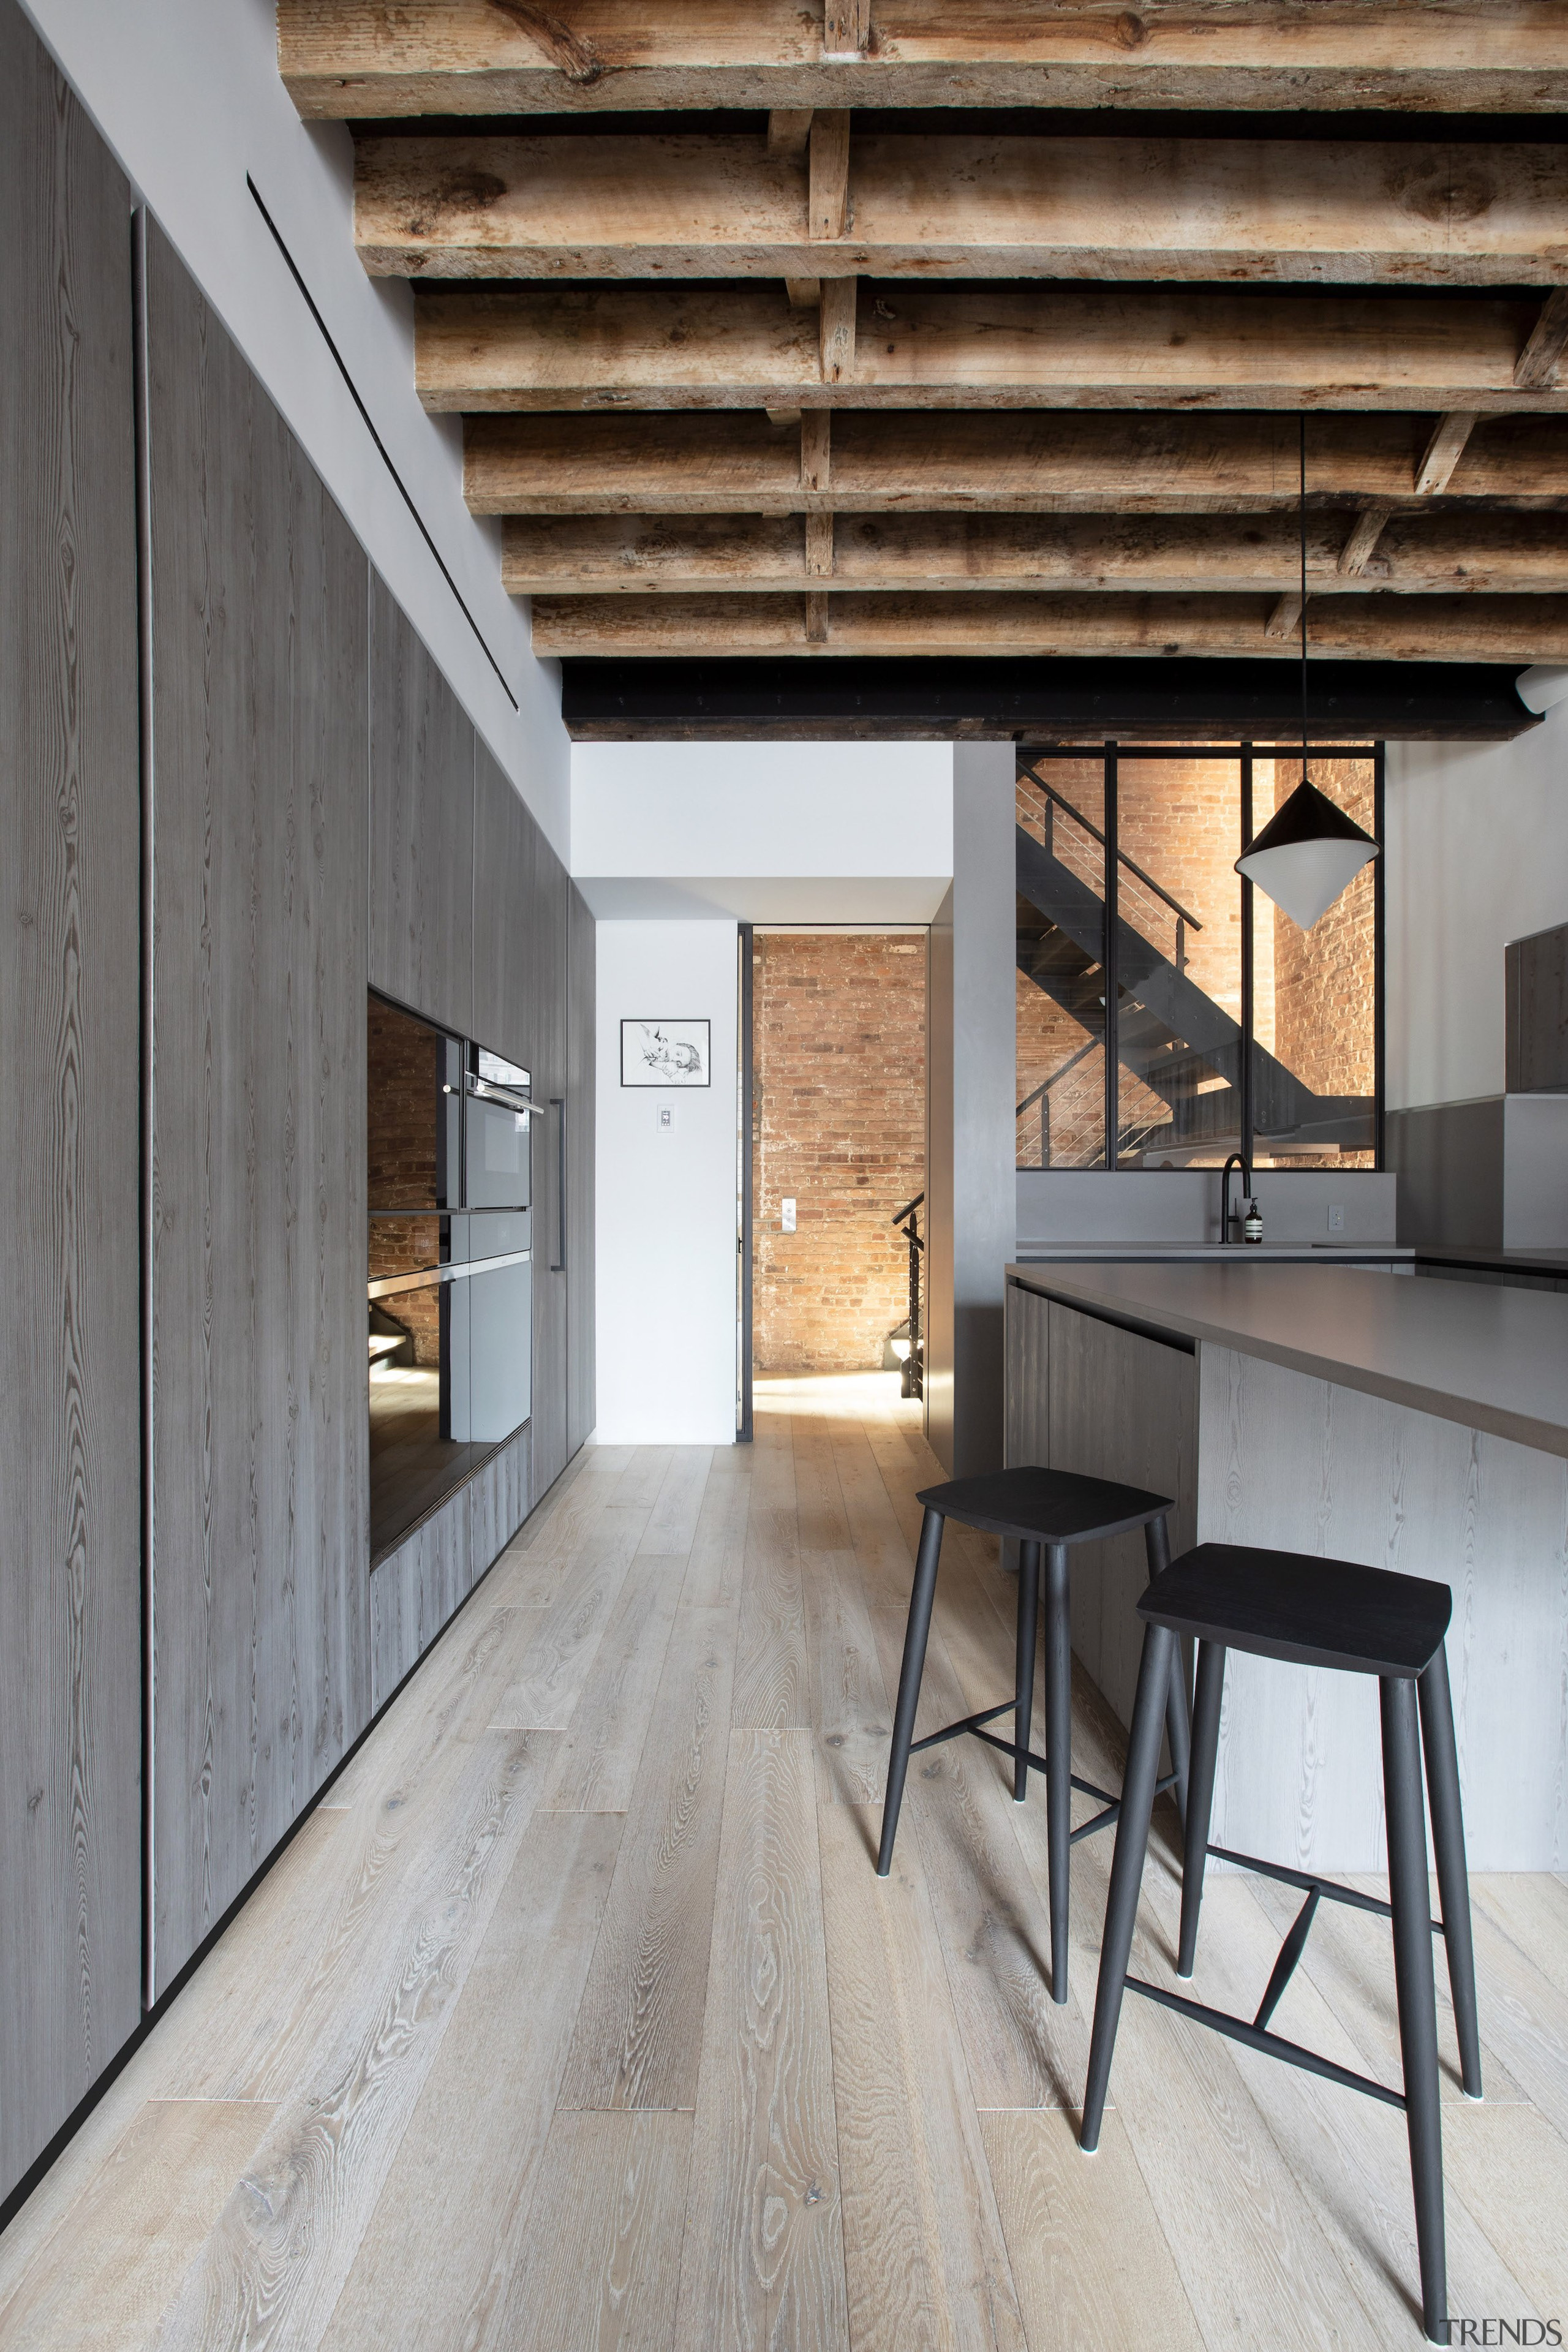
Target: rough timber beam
741, 346
1361, 628
1425, 554
870, 461
362, 57
964, 206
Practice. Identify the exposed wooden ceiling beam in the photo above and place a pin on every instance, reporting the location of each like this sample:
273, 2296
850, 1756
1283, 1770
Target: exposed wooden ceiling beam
1520, 629
949, 346
964, 206
1450, 439
874, 461
344, 57
1187, 554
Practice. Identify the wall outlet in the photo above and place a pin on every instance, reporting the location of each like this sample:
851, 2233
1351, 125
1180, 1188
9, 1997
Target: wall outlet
667, 1118
787, 1217
1336, 1218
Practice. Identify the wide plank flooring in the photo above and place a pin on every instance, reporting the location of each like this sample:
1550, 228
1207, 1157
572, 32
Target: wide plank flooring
576, 2017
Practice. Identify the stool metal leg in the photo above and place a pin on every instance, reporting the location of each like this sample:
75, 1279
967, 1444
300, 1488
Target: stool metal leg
1200, 1796
1157, 1546
915, 1633
1024, 1677
1411, 1905
1058, 1756
1126, 1872
1453, 1878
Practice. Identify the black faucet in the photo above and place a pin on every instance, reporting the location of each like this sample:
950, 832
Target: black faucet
1237, 1159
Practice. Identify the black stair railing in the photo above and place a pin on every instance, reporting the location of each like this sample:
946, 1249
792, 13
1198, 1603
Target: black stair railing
907, 1222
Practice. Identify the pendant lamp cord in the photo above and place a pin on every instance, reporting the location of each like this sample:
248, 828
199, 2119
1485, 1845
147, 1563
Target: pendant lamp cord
1301, 513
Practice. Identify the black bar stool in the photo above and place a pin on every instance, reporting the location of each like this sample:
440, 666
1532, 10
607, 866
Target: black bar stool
1362, 1620
1055, 1508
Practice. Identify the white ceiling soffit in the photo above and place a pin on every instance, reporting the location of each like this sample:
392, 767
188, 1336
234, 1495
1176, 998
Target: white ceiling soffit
800, 902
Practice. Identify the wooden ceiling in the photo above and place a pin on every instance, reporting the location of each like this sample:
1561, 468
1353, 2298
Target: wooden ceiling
920, 328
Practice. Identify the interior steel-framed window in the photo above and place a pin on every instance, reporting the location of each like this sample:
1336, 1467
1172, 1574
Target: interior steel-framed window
1160, 1001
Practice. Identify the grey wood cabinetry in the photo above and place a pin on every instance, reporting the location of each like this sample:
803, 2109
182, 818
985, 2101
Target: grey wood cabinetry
581, 1006
258, 624
1535, 972
549, 989
521, 893
421, 826
70, 1677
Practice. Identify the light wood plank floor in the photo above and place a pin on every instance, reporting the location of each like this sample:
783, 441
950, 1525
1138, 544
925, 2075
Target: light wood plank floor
577, 2017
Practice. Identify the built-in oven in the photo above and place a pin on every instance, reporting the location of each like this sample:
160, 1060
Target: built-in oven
450, 1262
498, 1112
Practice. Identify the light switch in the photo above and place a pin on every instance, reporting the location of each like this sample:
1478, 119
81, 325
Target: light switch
1336, 1218
667, 1118
787, 1217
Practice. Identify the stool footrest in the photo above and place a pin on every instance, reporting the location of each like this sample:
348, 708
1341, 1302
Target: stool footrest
1308, 1884
957, 1730
973, 1725
1272, 2046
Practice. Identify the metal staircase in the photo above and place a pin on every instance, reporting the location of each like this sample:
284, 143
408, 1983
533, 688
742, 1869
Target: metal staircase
1184, 1048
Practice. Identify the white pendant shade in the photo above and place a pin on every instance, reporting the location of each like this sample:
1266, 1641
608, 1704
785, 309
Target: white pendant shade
1306, 854
1308, 877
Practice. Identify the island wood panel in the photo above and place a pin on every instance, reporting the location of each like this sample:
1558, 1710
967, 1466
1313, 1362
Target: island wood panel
1123, 1407
497, 1499
581, 1003
70, 1683
1307, 1465
547, 943
1027, 1436
258, 616
415, 1590
421, 825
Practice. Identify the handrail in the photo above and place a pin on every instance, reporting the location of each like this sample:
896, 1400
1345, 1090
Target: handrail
1121, 858
1047, 1084
909, 1209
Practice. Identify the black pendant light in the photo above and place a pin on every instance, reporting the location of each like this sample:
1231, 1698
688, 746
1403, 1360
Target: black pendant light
1309, 851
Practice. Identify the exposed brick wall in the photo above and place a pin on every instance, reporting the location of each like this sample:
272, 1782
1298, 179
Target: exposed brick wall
839, 1126
1179, 820
1324, 1022
401, 1131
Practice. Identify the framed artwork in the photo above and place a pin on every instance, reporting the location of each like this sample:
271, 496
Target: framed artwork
665, 1053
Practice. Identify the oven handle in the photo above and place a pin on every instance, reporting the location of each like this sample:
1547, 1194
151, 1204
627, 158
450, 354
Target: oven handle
557, 1102
388, 1286
485, 1091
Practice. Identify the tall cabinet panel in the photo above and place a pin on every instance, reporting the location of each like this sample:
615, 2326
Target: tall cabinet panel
521, 893
579, 1148
70, 1710
421, 826
260, 1605
547, 943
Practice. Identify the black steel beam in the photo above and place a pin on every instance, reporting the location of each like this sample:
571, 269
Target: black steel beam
806, 699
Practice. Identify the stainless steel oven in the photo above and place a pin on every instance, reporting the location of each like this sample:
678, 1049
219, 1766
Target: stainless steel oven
451, 1274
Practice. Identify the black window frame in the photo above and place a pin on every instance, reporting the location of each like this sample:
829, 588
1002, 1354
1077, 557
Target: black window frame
1111, 751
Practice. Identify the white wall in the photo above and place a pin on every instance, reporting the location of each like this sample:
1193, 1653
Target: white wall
187, 94
768, 833
665, 1273
1477, 856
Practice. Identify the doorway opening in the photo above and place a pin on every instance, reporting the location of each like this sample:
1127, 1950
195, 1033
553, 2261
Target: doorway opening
838, 1148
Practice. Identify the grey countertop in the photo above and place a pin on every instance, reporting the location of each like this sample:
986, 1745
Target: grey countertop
1489, 1357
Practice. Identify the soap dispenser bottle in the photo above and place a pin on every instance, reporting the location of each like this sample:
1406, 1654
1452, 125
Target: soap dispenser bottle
1252, 1222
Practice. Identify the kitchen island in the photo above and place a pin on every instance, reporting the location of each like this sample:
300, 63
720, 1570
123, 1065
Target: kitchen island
1351, 1412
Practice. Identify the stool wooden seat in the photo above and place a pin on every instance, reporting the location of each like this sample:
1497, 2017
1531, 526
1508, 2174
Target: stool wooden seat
1352, 1620
1047, 1510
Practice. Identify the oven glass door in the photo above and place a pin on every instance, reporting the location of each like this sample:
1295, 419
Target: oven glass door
451, 1355
498, 1160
